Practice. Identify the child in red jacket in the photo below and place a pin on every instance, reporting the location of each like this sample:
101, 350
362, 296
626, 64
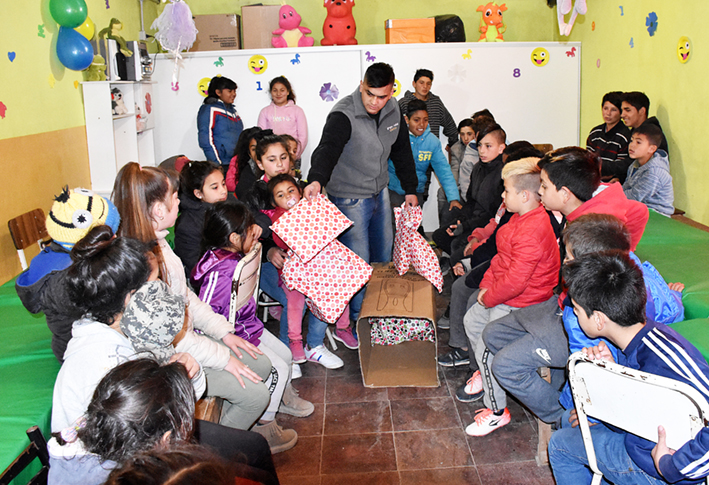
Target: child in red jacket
524, 272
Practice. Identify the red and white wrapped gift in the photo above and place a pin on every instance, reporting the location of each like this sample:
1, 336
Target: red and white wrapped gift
411, 249
330, 276
310, 226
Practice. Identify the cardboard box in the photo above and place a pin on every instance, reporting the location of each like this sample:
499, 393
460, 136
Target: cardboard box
216, 32
408, 364
259, 22
410, 31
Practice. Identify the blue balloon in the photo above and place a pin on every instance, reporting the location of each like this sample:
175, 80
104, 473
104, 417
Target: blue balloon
73, 50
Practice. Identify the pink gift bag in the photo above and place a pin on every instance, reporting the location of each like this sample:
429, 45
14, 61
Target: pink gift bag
310, 226
411, 249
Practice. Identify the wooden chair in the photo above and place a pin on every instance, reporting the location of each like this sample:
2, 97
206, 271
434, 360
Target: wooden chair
599, 386
544, 147
36, 449
28, 229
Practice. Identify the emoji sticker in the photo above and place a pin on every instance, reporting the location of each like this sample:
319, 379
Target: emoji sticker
683, 49
203, 85
540, 56
397, 88
258, 64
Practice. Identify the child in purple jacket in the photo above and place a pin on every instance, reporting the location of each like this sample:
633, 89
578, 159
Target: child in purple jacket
229, 232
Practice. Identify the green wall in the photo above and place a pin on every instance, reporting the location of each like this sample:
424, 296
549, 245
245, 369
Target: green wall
34, 103
677, 91
525, 19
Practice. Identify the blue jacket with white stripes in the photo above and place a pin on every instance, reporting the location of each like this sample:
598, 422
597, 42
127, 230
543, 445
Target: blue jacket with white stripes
219, 127
659, 350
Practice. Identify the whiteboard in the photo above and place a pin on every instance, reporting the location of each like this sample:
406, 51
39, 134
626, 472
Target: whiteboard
538, 104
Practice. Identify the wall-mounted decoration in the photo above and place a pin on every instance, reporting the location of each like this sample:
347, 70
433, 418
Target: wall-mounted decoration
540, 57
370, 57
651, 23
684, 49
258, 64
11, 56
329, 92
397, 88
40, 31
563, 7
219, 62
3, 109
295, 60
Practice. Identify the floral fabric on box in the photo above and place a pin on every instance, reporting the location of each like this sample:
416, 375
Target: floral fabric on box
395, 330
329, 280
310, 226
410, 248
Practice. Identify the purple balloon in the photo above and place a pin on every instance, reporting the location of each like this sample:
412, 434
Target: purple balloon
74, 50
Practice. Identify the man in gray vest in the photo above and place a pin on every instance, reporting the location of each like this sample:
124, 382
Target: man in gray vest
362, 132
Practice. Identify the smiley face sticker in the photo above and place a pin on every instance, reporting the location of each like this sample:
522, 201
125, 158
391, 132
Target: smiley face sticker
397, 88
540, 56
258, 64
202, 86
683, 49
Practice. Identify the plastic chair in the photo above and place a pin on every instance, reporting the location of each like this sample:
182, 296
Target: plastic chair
26, 230
245, 283
36, 449
598, 387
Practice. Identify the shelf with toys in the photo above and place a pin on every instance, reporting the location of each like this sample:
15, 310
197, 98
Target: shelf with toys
119, 128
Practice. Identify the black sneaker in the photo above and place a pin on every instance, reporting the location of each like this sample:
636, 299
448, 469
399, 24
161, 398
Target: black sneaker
454, 358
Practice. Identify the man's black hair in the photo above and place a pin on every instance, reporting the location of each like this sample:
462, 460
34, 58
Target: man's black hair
378, 75
423, 73
637, 100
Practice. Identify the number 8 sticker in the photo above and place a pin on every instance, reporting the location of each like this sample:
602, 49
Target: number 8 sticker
516, 73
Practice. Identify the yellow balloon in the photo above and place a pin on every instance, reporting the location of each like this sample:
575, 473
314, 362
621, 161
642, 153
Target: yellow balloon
87, 29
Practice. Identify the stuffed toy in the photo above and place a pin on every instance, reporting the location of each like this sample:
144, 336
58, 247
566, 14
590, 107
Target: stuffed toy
97, 70
339, 27
491, 25
113, 32
563, 7
119, 107
139, 120
290, 33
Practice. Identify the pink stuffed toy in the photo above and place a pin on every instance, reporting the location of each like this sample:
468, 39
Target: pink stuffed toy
339, 27
290, 33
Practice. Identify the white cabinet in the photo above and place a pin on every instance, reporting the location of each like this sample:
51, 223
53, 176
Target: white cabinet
115, 140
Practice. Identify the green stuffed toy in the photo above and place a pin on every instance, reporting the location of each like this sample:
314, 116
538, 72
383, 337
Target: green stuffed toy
97, 70
113, 32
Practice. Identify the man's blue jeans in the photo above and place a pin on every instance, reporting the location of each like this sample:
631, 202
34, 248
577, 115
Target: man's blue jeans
371, 236
269, 284
569, 463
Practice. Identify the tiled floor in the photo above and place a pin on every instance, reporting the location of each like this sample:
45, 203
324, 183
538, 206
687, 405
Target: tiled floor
401, 435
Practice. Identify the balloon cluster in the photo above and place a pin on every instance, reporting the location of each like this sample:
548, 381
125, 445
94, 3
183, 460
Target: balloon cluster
76, 29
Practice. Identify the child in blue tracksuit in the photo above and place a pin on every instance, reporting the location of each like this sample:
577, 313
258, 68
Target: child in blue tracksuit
427, 151
608, 295
218, 123
603, 232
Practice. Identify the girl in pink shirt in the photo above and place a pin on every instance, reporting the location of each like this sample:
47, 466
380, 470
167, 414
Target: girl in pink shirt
283, 116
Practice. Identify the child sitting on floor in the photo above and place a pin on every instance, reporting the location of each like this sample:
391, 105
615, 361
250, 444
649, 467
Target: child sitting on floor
229, 233
285, 194
608, 295
524, 272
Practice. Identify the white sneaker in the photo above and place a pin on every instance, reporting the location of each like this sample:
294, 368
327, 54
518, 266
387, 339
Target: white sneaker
296, 372
320, 355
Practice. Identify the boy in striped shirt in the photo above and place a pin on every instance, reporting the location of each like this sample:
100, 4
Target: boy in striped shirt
608, 295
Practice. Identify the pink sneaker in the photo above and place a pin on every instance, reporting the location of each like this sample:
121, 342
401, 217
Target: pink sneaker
346, 336
486, 422
296, 348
